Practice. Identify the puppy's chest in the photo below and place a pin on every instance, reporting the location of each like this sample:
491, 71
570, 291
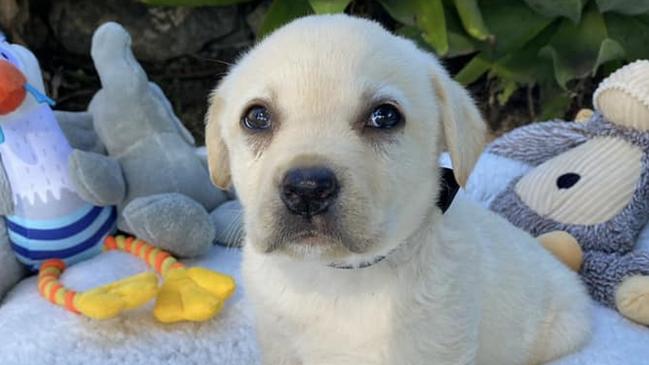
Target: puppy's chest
334, 317
346, 320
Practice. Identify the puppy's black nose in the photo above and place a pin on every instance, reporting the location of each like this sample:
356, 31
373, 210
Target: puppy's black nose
309, 191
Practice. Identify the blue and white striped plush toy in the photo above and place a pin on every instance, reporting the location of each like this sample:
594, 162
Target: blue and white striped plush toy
50, 226
49, 219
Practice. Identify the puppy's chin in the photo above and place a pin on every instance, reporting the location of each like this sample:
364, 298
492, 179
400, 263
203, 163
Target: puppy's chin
312, 245
321, 250
313, 239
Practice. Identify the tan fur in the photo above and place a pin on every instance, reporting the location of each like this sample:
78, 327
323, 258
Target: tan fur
217, 154
464, 287
464, 130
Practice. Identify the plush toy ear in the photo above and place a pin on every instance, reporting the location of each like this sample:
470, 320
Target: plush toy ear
217, 153
535, 143
465, 131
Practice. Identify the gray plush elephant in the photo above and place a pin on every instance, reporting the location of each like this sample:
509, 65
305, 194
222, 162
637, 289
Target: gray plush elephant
591, 180
151, 172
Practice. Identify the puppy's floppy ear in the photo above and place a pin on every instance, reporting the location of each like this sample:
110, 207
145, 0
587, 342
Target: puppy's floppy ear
217, 152
465, 131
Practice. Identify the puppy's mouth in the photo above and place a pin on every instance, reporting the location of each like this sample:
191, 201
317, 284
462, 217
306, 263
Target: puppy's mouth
322, 236
311, 238
318, 233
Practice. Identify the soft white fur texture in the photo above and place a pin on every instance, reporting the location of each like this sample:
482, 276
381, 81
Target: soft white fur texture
465, 287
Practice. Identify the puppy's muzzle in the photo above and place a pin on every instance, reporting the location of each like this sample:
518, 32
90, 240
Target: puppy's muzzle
309, 191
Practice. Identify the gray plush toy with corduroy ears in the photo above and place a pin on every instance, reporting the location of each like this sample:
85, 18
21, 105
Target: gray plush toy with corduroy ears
590, 182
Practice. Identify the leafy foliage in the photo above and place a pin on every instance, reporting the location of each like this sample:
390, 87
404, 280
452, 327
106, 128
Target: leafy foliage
192, 2
549, 44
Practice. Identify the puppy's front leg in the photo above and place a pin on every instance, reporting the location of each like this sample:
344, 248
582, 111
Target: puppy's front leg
276, 347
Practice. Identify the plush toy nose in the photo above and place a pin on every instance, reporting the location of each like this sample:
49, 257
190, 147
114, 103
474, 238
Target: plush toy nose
12, 87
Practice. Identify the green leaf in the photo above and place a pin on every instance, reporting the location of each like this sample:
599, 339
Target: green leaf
574, 48
282, 12
414, 34
561, 70
473, 70
427, 15
432, 22
512, 28
329, 6
644, 18
472, 19
192, 2
508, 87
570, 9
630, 33
524, 65
629, 7
609, 50
554, 101
403, 11
459, 42
609, 67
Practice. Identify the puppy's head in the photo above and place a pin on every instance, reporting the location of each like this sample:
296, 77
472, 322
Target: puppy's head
330, 130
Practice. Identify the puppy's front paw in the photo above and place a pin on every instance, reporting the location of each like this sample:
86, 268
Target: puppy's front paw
632, 298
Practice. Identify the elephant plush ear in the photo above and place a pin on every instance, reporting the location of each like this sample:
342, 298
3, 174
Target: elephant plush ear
538, 142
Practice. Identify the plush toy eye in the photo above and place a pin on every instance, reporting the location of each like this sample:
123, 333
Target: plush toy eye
7, 56
384, 116
566, 181
256, 118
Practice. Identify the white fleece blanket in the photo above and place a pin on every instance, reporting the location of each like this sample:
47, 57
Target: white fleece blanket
32, 331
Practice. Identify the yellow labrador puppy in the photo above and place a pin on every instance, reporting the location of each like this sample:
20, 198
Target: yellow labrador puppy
330, 130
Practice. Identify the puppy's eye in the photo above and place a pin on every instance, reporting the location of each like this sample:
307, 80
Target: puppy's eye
256, 118
384, 116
